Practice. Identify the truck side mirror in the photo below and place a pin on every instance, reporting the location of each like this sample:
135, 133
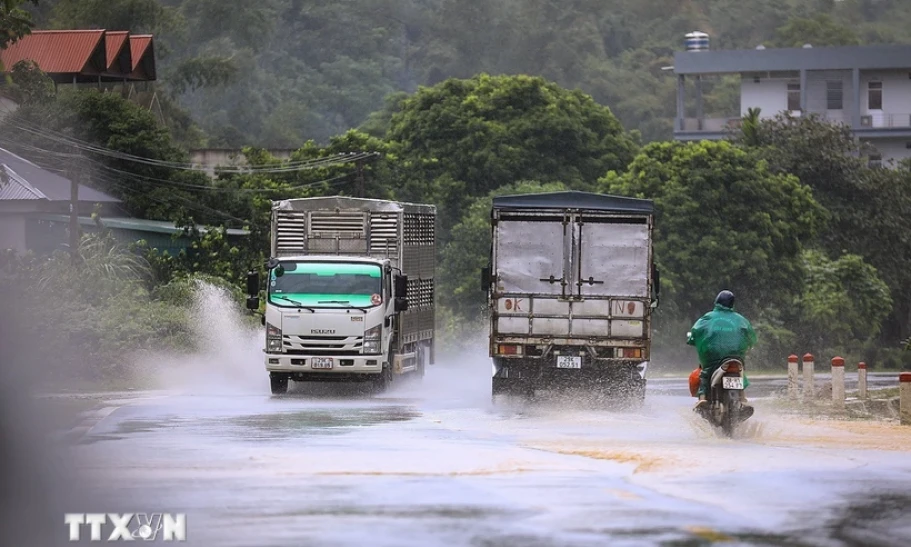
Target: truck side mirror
656, 286
253, 303
401, 293
485, 279
401, 286
252, 284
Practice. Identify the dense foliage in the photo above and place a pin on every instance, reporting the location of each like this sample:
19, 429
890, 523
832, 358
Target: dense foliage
280, 72
723, 221
465, 138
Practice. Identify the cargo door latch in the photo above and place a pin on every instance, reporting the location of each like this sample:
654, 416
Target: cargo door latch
553, 280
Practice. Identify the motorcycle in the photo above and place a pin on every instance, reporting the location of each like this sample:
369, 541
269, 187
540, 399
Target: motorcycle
724, 408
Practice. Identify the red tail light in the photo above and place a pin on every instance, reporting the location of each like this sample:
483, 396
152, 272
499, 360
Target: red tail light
505, 349
733, 366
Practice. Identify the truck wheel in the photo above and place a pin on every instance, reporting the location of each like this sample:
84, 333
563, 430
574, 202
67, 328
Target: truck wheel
382, 381
423, 353
505, 387
279, 383
636, 394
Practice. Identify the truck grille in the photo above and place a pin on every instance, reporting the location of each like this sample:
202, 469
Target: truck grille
321, 345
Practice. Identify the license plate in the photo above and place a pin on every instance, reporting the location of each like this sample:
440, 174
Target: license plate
321, 362
732, 382
568, 361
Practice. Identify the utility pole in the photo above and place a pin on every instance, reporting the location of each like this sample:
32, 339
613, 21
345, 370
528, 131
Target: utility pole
361, 189
75, 176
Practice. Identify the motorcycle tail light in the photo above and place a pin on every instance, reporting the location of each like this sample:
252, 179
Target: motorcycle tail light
732, 367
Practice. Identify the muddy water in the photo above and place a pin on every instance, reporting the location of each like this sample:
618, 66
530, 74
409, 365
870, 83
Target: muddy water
437, 464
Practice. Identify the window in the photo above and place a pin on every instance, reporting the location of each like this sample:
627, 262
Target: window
875, 161
325, 284
834, 95
875, 96
793, 97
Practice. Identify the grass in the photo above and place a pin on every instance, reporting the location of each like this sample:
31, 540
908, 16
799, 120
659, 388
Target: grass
885, 393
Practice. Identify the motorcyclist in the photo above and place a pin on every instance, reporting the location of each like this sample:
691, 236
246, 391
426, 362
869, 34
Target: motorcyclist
718, 335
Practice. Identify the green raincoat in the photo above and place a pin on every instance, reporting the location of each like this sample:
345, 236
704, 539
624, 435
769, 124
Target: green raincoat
717, 335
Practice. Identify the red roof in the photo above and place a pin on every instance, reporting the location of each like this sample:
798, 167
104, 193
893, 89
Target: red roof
55, 51
115, 42
139, 44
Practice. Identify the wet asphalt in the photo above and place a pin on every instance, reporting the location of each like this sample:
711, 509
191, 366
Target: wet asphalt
437, 463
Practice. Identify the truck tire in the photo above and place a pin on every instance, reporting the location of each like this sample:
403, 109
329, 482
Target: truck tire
636, 395
422, 357
511, 388
279, 382
382, 381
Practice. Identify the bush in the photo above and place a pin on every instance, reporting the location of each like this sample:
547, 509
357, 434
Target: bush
93, 317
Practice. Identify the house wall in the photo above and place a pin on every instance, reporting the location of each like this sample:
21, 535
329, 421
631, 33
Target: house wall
894, 149
12, 232
896, 111
210, 158
769, 95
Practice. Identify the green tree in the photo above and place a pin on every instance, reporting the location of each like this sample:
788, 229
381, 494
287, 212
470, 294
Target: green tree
844, 301
819, 30
15, 22
137, 165
29, 85
133, 15
866, 208
472, 136
723, 221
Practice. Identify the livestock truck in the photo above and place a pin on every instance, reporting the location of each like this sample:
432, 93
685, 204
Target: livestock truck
571, 285
350, 291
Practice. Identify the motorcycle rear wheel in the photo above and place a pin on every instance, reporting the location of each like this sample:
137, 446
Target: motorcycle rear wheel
730, 418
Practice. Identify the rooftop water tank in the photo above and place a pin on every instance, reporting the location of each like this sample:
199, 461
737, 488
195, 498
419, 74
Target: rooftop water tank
697, 41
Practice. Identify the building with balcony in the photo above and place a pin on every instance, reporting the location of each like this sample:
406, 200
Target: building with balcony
867, 88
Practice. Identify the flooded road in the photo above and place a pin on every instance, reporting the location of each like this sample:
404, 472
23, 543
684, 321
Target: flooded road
438, 464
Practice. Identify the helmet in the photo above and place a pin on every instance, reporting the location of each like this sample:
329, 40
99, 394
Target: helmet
725, 298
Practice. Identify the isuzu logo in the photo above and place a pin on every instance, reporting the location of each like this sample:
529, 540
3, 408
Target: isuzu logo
322, 331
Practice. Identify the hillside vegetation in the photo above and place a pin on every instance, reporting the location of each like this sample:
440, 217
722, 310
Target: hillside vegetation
276, 73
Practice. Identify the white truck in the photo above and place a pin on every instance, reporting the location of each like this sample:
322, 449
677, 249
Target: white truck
350, 291
571, 285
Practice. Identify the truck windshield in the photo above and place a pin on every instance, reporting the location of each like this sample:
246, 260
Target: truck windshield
326, 284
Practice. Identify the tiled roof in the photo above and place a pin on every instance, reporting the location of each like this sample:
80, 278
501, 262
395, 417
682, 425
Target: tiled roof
14, 187
143, 52
55, 51
115, 41
139, 44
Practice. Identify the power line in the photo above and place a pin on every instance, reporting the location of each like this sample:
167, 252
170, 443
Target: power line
141, 178
60, 138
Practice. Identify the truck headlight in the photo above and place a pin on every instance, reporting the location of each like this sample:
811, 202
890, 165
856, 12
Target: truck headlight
372, 339
273, 339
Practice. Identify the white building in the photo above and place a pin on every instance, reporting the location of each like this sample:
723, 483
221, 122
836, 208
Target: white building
866, 87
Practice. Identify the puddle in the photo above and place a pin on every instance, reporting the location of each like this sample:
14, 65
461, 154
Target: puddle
318, 422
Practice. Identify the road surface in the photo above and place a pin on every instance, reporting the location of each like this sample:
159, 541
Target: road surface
437, 464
